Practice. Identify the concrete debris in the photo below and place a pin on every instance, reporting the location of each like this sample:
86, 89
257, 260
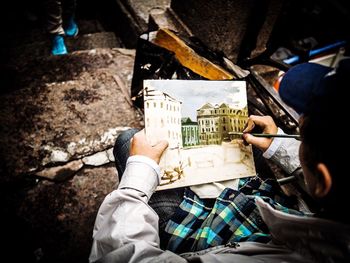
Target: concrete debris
61, 173
62, 215
96, 159
110, 155
57, 122
58, 156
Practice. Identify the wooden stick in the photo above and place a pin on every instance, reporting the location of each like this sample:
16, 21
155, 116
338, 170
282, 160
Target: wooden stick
188, 57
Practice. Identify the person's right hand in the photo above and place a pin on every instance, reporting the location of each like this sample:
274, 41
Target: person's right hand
267, 125
140, 146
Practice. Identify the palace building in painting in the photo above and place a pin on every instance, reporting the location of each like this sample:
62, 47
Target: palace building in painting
216, 121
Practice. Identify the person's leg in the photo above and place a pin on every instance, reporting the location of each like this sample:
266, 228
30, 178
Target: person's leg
69, 7
69, 24
54, 27
121, 150
165, 202
53, 10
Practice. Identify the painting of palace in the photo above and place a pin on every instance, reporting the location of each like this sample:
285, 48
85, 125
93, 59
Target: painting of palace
196, 118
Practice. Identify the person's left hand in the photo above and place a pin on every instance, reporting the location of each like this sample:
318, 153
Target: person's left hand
140, 146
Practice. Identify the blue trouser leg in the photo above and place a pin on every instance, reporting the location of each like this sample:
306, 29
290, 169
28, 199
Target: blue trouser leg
121, 150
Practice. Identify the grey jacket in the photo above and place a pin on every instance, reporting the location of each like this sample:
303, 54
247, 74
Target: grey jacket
126, 229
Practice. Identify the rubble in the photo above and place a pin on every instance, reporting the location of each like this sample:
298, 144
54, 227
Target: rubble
57, 122
61, 173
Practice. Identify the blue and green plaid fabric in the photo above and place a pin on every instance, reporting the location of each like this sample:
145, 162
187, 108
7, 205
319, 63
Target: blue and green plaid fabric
201, 223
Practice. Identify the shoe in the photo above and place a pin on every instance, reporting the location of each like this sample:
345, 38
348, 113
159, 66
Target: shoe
72, 29
58, 46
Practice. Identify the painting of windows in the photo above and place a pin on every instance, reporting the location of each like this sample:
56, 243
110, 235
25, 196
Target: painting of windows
196, 118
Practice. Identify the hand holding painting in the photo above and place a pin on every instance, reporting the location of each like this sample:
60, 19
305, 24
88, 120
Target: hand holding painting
140, 146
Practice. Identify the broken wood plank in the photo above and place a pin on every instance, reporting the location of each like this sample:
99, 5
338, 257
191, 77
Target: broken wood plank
189, 58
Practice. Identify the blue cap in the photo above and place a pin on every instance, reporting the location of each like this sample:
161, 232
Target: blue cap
303, 82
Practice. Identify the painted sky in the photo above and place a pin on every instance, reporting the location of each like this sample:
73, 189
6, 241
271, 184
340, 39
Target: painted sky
195, 93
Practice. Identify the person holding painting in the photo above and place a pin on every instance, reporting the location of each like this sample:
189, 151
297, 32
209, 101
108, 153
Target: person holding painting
249, 224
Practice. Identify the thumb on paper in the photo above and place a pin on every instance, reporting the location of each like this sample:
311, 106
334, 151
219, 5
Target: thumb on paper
161, 146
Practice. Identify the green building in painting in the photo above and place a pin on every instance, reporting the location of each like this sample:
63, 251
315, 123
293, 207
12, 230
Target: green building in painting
189, 131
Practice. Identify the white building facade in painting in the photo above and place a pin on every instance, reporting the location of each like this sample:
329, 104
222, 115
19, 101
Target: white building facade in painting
162, 118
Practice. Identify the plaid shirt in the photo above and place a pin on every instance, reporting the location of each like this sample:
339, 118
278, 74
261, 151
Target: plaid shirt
202, 223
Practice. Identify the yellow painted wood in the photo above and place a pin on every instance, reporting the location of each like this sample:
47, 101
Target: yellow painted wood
189, 58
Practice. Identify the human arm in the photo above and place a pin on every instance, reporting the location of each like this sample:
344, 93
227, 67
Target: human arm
282, 151
126, 228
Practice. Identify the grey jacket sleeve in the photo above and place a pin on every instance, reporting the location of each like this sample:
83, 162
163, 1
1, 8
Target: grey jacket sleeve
284, 152
126, 227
